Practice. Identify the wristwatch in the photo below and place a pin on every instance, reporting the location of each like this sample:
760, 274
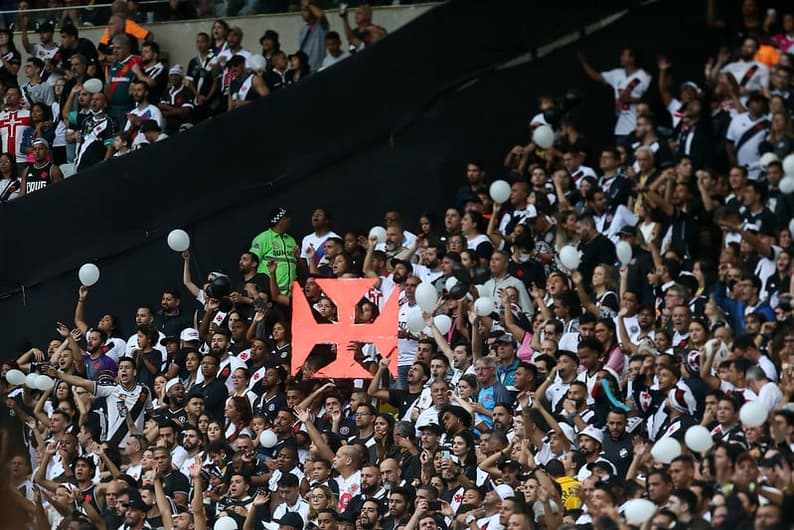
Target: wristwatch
470, 519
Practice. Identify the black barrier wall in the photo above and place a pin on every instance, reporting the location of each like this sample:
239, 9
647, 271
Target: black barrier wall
388, 128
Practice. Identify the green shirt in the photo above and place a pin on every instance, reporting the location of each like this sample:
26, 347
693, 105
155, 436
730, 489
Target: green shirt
271, 246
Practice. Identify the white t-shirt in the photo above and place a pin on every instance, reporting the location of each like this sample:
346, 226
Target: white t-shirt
149, 112
637, 83
757, 74
348, 488
747, 155
406, 348
317, 242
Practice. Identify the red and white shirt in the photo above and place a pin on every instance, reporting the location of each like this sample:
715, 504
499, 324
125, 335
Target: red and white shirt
13, 125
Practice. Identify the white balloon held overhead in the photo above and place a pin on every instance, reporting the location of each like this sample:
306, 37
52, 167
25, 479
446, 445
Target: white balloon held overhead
443, 323
30, 381
666, 449
426, 297
543, 136
753, 414
379, 233
15, 377
624, 252
88, 274
570, 257
225, 523
787, 184
500, 191
92, 86
698, 438
638, 511
788, 164
484, 306
178, 240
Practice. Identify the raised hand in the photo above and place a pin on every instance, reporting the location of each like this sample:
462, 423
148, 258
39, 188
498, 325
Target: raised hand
261, 498
186, 255
62, 329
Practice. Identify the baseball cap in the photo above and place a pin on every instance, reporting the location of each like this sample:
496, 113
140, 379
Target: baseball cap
592, 432
136, 503
150, 125
166, 340
292, 519
41, 141
177, 69
436, 428
189, 334
504, 491
407, 264
506, 338
172, 383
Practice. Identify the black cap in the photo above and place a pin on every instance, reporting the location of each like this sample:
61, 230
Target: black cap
628, 230
404, 262
150, 125
269, 34
292, 519
436, 428
136, 503
288, 480
166, 340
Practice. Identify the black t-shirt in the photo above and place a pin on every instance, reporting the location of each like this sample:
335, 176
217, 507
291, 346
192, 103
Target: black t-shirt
178, 415
175, 482
13, 57
215, 394
85, 48
403, 399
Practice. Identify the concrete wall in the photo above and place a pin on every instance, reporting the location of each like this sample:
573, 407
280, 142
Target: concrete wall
177, 39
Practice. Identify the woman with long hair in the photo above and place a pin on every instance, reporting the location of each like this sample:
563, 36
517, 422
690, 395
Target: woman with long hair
298, 67
604, 282
238, 418
192, 362
10, 185
428, 227
465, 451
467, 391
565, 231
240, 379
383, 434
699, 334
320, 498
473, 226
606, 334
780, 139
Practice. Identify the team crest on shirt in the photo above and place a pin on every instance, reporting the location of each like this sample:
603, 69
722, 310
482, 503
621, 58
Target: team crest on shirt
344, 430
624, 453
645, 400
271, 407
354, 488
276, 245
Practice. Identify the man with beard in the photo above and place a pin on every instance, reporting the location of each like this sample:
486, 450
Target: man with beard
618, 446
213, 391
273, 398
95, 359
575, 405
167, 438
503, 419
227, 363
194, 408
135, 519
144, 315
283, 429
248, 268
371, 515
591, 441
193, 444
143, 110
175, 399
169, 318
429, 267
371, 489
399, 504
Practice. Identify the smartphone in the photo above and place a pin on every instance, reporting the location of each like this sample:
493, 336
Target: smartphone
445, 453
434, 506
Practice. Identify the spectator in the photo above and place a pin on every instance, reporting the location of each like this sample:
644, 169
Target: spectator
41, 172
334, 52
14, 122
365, 33
178, 102
35, 91
120, 78
311, 38
143, 111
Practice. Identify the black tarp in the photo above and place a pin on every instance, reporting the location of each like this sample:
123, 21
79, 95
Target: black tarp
391, 127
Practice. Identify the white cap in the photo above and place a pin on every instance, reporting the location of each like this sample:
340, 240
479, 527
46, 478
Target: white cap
592, 432
189, 334
504, 491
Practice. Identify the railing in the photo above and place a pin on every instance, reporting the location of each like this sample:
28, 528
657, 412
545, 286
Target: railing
153, 11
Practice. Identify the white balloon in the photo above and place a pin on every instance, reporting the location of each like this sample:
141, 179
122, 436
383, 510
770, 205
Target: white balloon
766, 159
482, 291
427, 331
268, 439
88, 274
484, 306
666, 449
30, 381
44, 382
256, 63
15, 377
753, 414
624, 252
788, 164
450, 283
178, 240
426, 297
543, 136
500, 191
225, 523
570, 257
698, 438
93, 85
638, 511
415, 322
379, 232
786, 184
443, 323
791, 226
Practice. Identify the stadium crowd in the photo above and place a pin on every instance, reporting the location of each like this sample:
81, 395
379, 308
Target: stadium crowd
612, 346
84, 102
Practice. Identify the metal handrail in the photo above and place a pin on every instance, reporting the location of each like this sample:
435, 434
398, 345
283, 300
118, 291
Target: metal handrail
68, 8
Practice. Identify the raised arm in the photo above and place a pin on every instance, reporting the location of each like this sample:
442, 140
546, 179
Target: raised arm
316, 436
187, 279
307, 403
73, 380
373, 390
79, 310
278, 297
441, 340
197, 502
664, 80
591, 72
367, 269
705, 369
162, 502
584, 297
551, 421
39, 477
